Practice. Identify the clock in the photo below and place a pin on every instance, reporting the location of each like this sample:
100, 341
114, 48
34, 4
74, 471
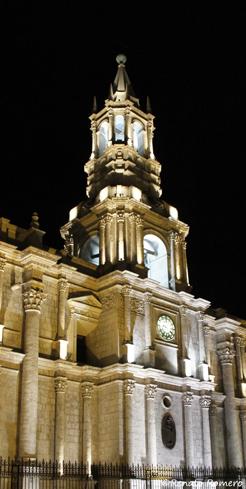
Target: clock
166, 328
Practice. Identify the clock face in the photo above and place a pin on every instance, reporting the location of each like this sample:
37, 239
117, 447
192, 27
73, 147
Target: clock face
166, 328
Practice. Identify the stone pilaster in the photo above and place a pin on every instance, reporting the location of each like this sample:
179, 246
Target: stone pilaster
133, 244
129, 386
150, 393
172, 260
33, 299
102, 240
243, 425
139, 239
184, 260
62, 297
2, 266
126, 292
86, 393
233, 434
60, 390
94, 139
205, 402
214, 436
188, 429
238, 342
120, 237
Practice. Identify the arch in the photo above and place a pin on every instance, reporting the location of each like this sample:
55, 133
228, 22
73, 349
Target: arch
103, 137
90, 250
119, 128
155, 259
138, 137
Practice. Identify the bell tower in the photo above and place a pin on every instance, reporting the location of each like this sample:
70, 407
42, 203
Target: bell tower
124, 224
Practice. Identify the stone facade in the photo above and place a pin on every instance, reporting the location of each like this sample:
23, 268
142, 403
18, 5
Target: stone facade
105, 356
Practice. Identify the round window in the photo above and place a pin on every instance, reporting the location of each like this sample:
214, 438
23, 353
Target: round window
167, 401
168, 431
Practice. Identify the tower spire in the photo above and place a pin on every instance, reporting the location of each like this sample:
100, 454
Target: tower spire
121, 89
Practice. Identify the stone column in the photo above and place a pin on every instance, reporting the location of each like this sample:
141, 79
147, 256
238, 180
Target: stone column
94, 139
150, 393
233, 435
214, 436
150, 130
2, 266
102, 241
139, 240
133, 248
243, 424
129, 386
108, 240
172, 261
238, 342
184, 260
120, 237
62, 297
188, 429
60, 389
86, 392
128, 127
205, 402
29, 379
111, 133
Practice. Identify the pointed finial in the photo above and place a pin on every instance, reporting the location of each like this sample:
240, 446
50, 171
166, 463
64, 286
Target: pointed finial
148, 105
121, 59
94, 105
35, 220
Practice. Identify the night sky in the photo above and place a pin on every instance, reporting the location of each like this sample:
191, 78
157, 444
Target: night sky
192, 65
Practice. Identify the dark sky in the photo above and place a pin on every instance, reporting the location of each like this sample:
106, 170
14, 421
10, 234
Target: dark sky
192, 65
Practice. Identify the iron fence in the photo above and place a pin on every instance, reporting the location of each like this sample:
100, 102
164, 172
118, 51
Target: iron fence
20, 474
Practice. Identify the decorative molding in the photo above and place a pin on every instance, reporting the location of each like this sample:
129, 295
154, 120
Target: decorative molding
107, 301
206, 330
150, 391
63, 285
205, 401
213, 409
87, 389
129, 386
33, 299
60, 384
126, 290
187, 398
239, 341
147, 297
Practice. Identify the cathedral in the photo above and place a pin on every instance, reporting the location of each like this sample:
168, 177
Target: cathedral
105, 355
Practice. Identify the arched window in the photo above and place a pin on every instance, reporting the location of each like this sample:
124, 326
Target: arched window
90, 250
138, 137
155, 259
119, 124
103, 137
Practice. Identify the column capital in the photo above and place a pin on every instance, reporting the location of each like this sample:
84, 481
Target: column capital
60, 384
226, 354
150, 391
87, 389
147, 297
187, 398
120, 216
129, 386
33, 298
2, 263
205, 401
240, 341
139, 220
206, 330
126, 290
63, 285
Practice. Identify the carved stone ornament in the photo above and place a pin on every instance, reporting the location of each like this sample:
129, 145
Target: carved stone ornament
129, 386
213, 409
33, 299
87, 389
150, 391
187, 398
126, 290
226, 354
63, 285
205, 401
60, 384
206, 330
240, 341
